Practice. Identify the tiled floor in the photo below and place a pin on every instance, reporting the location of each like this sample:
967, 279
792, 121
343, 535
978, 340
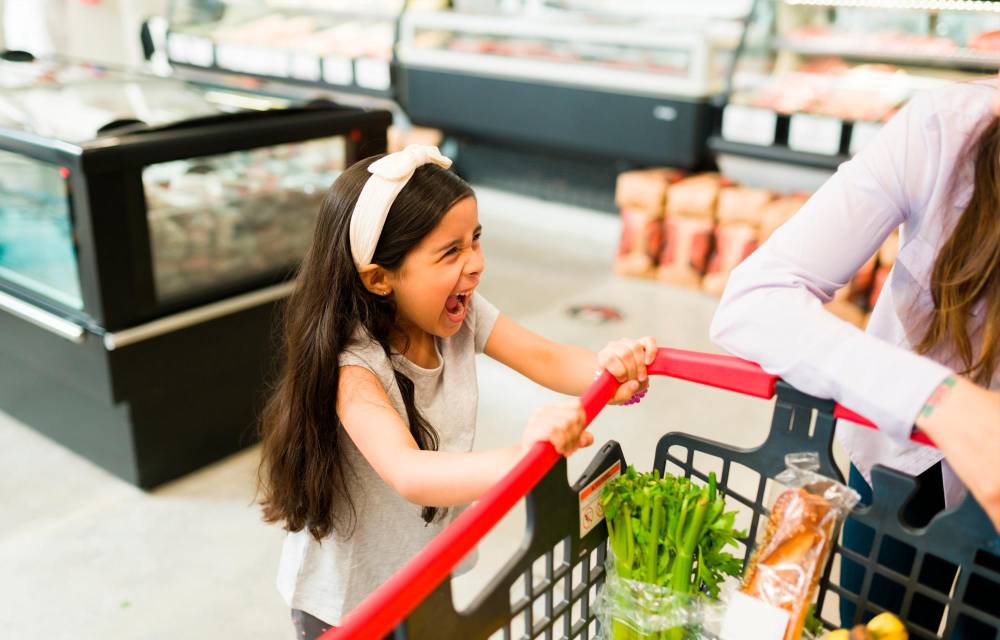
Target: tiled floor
83, 555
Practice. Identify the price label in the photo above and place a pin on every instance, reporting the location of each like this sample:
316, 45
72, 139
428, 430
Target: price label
254, 60
371, 73
863, 133
591, 513
749, 125
305, 67
751, 619
815, 134
182, 47
338, 71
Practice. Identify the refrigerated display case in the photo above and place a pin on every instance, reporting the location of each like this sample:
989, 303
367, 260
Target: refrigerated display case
331, 45
148, 230
814, 80
595, 80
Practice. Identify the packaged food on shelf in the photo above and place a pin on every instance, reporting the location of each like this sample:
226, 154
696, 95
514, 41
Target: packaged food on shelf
218, 219
787, 563
645, 189
742, 204
778, 212
696, 196
734, 242
401, 137
988, 41
641, 243
687, 250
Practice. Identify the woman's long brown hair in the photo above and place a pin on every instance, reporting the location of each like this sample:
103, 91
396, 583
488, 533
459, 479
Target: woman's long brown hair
303, 476
967, 271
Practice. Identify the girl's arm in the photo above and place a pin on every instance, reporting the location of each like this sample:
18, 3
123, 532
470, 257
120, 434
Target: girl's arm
566, 368
772, 310
439, 478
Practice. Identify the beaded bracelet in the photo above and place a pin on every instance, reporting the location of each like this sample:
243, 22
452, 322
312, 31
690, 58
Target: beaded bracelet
635, 399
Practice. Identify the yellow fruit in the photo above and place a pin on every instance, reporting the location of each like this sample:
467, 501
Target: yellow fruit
860, 632
886, 626
838, 634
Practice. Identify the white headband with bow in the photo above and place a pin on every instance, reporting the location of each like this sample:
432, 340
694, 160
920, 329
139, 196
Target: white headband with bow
389, 175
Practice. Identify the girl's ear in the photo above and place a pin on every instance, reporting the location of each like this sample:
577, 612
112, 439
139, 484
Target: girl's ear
376, 279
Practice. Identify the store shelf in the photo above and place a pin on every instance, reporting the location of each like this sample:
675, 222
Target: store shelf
364, 76
776, 153
982, 6
958, 59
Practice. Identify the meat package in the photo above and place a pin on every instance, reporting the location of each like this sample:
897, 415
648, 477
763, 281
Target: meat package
736, 237
641, 243
217, 219
690, 223
778, 212
641, 196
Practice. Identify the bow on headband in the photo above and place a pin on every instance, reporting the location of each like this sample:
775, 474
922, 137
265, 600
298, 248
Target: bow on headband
389, 175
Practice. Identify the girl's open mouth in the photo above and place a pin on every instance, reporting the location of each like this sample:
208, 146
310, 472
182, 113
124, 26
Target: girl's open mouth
457, 306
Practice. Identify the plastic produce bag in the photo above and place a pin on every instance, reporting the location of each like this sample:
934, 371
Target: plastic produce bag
634, 610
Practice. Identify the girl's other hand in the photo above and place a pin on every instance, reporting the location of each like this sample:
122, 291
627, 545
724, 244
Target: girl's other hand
627, 361
562, 425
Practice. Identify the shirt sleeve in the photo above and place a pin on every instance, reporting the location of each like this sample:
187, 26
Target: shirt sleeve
772, 313
482, 318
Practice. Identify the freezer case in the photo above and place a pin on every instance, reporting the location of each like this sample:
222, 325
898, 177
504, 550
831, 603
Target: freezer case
611, 85
148, 234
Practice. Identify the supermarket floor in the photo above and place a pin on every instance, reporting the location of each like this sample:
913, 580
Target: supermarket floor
83, 555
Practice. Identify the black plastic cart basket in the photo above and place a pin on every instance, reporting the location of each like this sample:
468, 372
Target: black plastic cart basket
548, 589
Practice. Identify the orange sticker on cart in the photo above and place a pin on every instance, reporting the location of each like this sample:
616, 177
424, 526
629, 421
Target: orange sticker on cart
591, 511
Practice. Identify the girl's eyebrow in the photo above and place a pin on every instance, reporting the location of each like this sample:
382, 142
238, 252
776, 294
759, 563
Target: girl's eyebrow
458, 241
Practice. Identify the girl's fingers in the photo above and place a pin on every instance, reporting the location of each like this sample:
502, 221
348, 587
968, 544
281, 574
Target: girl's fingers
627, 357
639, 355
649, 344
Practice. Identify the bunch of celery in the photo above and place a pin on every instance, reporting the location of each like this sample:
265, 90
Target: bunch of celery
670, 533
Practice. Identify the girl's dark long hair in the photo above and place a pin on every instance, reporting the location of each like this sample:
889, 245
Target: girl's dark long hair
967, 271
303, 477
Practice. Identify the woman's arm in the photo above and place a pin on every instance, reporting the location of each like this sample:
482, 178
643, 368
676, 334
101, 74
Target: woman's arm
964, 421
772, 310
567, 368
439, 478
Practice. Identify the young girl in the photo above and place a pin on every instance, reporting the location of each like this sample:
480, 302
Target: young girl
367, 437
931, 355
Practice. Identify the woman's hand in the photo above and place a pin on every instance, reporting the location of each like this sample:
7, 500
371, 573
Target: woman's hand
627, 361
964, 421
561, 424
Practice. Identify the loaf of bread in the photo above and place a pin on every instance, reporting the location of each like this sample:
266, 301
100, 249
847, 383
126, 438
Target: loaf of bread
788, 563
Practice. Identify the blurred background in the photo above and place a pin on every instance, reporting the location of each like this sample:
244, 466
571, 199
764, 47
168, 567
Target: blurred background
162, 164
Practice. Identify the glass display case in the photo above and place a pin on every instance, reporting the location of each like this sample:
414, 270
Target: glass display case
341, 45
596, 79
147, 229
814, 79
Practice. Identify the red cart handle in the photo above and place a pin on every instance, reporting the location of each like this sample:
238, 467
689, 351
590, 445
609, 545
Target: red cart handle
380, 612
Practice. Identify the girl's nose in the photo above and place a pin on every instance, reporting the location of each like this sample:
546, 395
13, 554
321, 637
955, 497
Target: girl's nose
475, 264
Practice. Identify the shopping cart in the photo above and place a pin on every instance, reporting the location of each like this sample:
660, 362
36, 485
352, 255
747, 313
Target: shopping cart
549, 588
